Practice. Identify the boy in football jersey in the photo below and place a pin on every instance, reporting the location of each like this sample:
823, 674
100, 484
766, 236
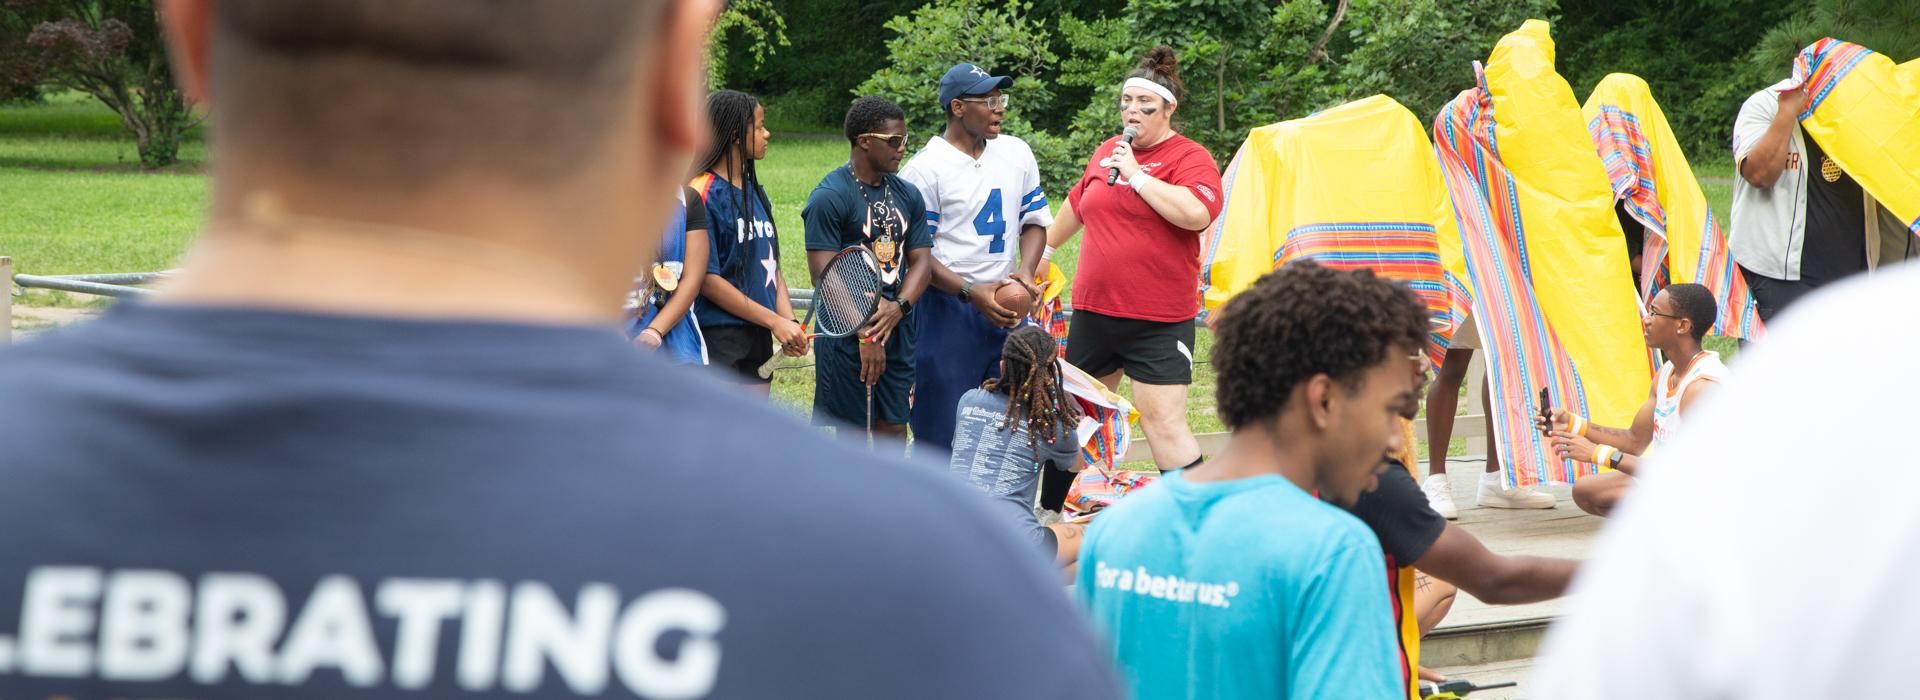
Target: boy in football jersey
984, 204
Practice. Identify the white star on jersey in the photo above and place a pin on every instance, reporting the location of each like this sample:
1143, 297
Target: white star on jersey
773, 267
977, 208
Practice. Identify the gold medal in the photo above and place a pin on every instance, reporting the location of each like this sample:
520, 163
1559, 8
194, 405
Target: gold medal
884, 249
1829, 169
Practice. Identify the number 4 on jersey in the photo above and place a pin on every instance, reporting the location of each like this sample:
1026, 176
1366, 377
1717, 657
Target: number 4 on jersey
992, 221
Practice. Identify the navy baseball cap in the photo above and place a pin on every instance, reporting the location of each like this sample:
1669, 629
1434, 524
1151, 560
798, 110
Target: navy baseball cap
968, 79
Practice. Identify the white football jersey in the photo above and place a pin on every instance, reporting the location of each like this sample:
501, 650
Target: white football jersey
976, 208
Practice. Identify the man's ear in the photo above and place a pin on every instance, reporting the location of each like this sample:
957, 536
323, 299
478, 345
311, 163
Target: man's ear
188, 25
678, 92
1319, 400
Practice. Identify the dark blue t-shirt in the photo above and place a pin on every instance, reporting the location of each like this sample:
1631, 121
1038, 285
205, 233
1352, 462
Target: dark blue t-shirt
743, 250
204, 503
843, 212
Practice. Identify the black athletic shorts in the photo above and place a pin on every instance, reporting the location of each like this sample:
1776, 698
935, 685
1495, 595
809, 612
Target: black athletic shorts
739, 350
1151, 352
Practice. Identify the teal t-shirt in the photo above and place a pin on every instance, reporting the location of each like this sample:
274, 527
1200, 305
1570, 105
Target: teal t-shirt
1239, 589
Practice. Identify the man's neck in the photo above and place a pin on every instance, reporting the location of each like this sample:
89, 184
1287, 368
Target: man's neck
493, 259
863, 170
1682, 354
970, 144
1257, 451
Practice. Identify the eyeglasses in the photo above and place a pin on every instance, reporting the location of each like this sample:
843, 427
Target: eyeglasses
1651, 312
894, 141
995, 102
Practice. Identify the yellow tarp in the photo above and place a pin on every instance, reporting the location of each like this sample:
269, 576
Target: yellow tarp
1575, 251
1649, 172
1352, 186
1867, 120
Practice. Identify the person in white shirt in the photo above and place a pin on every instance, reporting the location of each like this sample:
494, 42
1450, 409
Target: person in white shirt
985, 205
1676, 321
1799, 221
1726, 576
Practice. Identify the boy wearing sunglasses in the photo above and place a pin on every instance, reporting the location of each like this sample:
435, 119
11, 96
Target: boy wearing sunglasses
865, 379
986, 211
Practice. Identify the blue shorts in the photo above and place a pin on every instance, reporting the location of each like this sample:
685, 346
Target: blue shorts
838, 396
958, 350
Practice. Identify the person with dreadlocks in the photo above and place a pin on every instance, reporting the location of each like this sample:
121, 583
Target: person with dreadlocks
1011, 428
744, 295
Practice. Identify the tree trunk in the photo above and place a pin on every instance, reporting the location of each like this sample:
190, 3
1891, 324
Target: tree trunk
1220, 91
1320, 47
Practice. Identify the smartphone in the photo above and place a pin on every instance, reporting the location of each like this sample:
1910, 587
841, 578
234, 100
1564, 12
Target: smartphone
1546, 412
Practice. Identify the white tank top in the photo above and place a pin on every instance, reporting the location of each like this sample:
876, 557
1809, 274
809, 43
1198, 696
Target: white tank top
1666, 404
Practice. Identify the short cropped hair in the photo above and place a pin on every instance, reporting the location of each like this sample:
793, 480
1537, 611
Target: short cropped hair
1695, 303
1306, 319
397, 93
868, 113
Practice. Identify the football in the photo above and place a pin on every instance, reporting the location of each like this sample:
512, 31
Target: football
1013, 297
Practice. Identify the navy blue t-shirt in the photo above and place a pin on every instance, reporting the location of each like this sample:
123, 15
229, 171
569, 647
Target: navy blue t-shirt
843, 212
205, 503
743, 247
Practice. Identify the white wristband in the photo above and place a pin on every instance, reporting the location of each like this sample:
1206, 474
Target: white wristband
1139, 177
1046, 255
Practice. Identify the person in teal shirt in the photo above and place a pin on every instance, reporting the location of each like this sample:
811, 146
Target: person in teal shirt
1229, 579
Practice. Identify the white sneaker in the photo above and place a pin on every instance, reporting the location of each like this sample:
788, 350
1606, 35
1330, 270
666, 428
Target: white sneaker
1492, 496
1440, 496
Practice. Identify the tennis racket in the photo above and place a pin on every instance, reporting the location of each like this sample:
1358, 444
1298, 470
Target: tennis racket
845, 295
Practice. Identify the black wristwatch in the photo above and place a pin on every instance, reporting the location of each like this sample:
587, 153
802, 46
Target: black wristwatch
1614, 460
905, 306
966, 293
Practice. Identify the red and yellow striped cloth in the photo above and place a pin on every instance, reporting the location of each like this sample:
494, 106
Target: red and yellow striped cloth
1350, 187
1865, 113
1545, 256
1650, 174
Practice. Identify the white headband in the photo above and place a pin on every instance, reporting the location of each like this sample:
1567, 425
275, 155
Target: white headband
1152, 87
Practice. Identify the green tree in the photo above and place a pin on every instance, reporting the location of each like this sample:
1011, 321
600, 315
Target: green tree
1421, 52
752, 25
111, 50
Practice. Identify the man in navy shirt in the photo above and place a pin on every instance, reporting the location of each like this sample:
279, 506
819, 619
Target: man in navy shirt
382, 437
863, 203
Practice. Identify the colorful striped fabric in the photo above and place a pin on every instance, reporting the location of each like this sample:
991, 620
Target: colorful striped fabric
1107, 435
1550, 287
1650, 175
1351, 187
1865, 113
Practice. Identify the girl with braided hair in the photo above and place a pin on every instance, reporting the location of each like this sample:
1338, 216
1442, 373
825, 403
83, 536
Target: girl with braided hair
743, 296
1010, 428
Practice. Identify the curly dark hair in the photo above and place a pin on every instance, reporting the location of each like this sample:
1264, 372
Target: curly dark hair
1305, 319
1695, 302
1032, 384
867, 114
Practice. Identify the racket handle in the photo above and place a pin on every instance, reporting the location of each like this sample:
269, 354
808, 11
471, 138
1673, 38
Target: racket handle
766, 370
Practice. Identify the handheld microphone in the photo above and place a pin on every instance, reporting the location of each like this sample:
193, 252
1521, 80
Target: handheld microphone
1126, 137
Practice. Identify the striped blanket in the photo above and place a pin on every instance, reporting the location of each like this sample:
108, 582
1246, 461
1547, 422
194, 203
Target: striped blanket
1651, 177
1865, 113
1355, 186
1545, 256
1105, 435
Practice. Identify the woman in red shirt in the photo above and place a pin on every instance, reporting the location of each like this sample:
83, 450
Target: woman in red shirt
1136, 291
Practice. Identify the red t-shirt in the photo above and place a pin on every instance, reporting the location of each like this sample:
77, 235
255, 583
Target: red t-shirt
1133, 263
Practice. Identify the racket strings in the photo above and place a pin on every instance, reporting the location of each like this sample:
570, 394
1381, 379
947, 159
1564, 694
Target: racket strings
845, 297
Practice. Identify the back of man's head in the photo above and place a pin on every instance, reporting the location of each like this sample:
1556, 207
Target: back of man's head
1695, 303
1302, 320
401, 93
